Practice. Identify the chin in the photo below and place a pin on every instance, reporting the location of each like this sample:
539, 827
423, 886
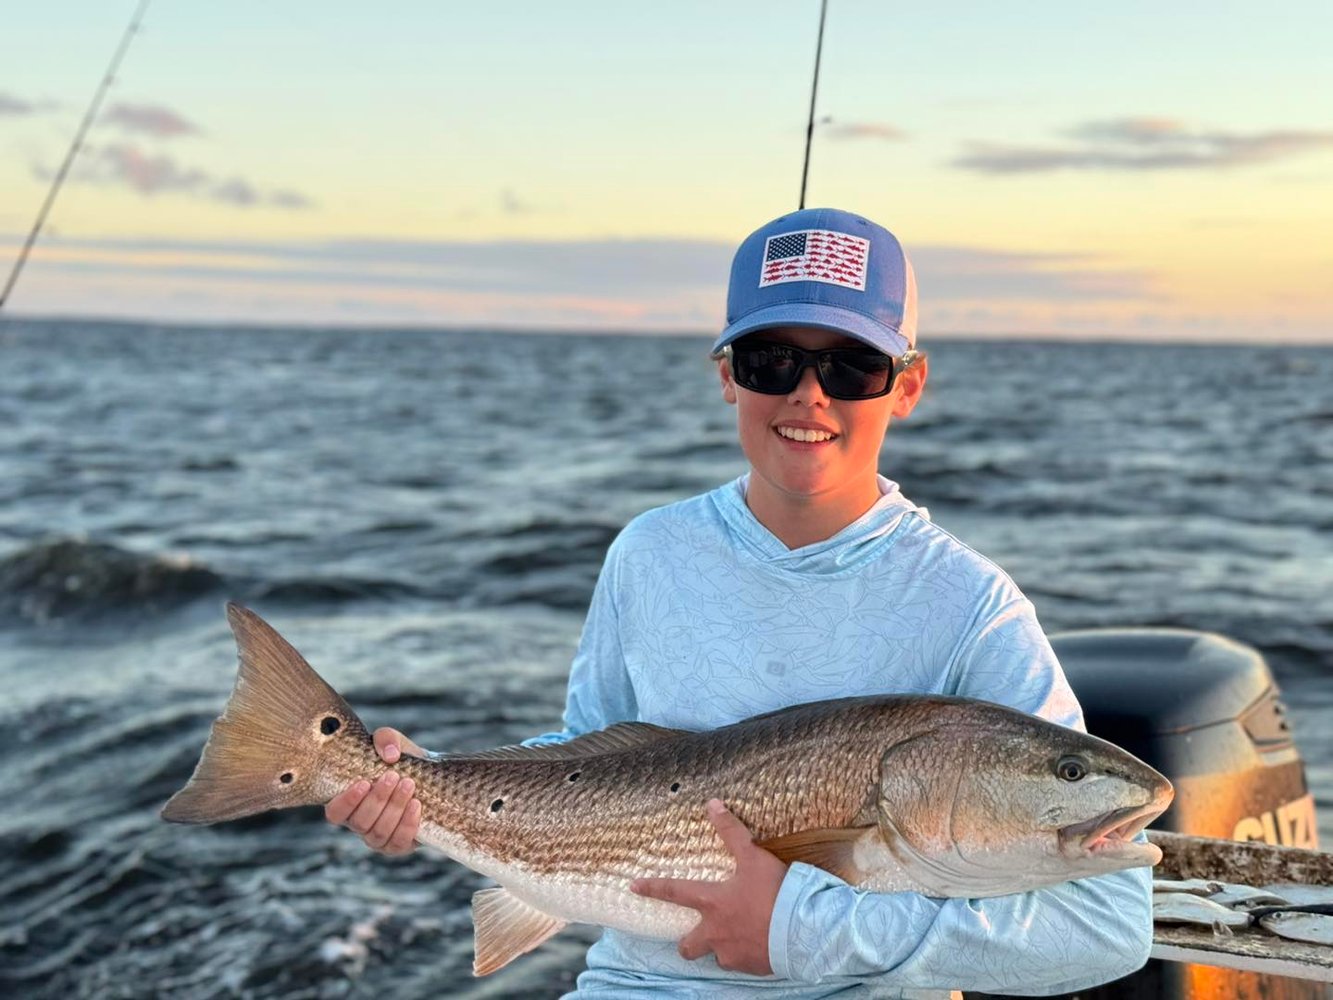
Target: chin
803, 488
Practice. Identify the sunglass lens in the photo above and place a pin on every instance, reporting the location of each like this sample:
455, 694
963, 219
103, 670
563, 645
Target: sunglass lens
770, 368
856, 374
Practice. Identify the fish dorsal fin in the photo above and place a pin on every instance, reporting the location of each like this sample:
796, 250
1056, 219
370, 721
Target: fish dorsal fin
834, 850
506, 927
621, 736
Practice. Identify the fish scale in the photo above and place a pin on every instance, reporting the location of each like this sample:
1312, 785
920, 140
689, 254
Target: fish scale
629, 808
934, 794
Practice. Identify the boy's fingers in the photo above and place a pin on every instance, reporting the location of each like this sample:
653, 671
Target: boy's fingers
365, 815
694, 945
683, 892
341, 806
391, 816
734, 833
405, 836
391, 745
387, 743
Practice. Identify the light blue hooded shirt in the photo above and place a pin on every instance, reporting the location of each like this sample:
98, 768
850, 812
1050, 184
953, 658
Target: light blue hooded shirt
702, 617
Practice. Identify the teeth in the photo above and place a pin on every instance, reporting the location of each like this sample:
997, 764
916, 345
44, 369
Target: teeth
802, 434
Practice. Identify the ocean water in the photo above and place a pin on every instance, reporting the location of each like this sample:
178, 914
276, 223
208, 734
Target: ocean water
423, 514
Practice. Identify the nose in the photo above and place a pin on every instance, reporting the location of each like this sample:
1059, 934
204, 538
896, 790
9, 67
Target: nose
808, 391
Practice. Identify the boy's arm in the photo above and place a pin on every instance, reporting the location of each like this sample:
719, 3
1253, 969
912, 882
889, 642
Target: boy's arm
1053, 940
1071, 936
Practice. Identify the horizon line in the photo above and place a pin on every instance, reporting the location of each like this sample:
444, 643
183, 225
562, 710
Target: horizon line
333, 326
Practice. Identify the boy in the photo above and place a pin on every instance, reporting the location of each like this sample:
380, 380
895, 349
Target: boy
813, 577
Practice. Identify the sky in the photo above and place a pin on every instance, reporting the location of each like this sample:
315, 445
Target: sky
1128, 171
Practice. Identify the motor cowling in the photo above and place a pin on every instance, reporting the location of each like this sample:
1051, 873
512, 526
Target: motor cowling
1205, 711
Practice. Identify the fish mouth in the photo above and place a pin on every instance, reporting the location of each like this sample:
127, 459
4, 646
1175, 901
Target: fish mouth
1113, 833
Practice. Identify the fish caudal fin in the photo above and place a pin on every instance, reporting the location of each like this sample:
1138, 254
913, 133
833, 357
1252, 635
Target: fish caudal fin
264, 750
506, 927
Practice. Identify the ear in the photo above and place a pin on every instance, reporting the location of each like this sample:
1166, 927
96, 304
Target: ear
728, 384
911, 383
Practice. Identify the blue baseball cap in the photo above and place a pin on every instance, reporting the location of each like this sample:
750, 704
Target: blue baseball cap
826, 268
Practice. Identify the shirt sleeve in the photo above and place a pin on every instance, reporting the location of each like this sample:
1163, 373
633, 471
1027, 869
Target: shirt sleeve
1070, 936
600, 692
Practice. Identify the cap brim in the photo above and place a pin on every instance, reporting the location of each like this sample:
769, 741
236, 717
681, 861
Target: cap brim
824, 317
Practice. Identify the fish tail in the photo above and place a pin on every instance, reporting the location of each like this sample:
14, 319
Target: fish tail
278, 740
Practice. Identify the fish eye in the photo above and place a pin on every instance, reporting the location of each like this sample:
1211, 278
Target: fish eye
1071, 768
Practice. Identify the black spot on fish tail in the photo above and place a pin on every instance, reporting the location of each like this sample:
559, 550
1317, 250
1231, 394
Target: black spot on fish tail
278, 701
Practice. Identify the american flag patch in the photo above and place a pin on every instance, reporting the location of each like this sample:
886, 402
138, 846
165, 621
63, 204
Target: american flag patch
815, 255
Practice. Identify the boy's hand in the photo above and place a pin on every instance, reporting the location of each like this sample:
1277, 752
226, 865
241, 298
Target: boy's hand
734, 915
384, 813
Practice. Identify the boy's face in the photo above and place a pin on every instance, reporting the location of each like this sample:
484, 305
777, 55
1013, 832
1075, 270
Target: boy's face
846, 463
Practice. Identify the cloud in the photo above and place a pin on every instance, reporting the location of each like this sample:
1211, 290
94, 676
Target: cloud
861, 130
127, 165
286, 198
632, 285
679, 280
13, 106
150, 119
18, 107
143, 172
964, 274
1136, 144
237, 192
511, 205
1140, 131
155, 120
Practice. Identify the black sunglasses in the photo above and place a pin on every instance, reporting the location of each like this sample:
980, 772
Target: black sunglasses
843, 372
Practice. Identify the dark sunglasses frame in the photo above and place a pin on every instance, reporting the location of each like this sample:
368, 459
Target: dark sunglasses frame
816, 360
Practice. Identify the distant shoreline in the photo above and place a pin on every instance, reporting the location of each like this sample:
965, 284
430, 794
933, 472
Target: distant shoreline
704, 335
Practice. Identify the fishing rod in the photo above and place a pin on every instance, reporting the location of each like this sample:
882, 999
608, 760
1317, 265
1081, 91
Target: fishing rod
814, 85
84, 125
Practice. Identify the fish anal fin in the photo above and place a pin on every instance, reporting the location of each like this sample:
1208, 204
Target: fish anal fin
506, 927
834, 850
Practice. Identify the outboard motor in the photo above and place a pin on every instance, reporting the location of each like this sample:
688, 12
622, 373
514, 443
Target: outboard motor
1203, 710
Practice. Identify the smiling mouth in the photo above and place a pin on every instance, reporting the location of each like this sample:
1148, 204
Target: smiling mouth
804, 435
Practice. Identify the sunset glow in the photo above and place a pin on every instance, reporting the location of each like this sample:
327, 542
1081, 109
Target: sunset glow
1140, 172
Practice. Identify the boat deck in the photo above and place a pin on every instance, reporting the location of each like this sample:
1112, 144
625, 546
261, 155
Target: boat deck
1248, 863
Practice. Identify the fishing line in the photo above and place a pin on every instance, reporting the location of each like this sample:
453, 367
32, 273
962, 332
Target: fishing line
88, 117
814, 85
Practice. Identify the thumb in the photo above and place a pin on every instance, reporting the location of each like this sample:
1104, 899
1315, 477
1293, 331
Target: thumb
390, 744
735, 835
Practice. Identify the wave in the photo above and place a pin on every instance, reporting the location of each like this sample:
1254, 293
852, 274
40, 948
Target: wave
76, 580
319, 590
70, 577
224, 463
543, 529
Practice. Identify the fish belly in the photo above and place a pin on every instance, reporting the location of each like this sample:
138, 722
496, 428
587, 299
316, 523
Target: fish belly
582, 898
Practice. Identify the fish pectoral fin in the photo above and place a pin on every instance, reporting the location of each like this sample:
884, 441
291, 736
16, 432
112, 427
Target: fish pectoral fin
834, 850
506, 927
